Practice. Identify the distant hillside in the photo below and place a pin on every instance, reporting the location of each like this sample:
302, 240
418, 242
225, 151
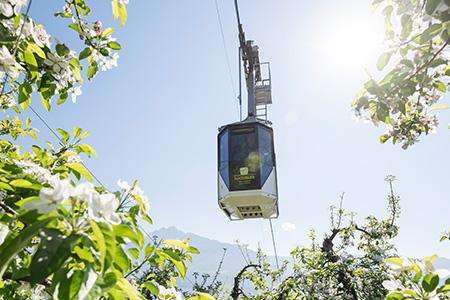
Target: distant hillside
211, 252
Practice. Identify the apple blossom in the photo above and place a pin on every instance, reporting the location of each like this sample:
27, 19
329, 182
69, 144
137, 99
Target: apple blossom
102, 208
51, 198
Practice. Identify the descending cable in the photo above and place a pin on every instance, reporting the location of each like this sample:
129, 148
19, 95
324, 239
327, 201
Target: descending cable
61, 141
273, 242
219, 19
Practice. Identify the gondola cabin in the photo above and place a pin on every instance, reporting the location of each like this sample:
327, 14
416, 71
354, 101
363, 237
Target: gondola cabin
247, 181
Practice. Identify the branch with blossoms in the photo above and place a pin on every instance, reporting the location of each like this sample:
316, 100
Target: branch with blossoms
30, 62
417, 51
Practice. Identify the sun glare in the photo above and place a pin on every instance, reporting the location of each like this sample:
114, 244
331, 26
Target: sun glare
349, 42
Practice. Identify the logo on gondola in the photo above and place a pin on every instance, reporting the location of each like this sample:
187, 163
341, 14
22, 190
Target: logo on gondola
243, 170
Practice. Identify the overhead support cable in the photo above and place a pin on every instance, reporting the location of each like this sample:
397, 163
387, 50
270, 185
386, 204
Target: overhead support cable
227, 58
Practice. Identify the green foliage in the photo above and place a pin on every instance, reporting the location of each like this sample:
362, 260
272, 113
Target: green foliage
60, 236
417, 38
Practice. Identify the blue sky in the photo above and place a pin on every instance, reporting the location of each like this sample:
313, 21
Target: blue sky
155, 118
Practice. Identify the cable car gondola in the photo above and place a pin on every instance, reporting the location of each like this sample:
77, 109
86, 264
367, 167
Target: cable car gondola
247, 178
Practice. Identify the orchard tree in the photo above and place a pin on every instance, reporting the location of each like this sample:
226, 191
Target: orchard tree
61, 237
417, 34
353, 261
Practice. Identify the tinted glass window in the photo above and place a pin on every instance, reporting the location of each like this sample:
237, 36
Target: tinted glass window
223, 158
265, 152
244, 158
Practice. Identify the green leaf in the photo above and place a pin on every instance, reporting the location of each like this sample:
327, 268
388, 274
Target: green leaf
62, 98
5, 186
99, 240
406, 25
125, 231
429, 33
107, 282
30, 60
114, 45
107, 31
25, 184
129, 290
37, 50
11, 247
431, 6
65, 135
85, 53
151, 287
45, 102
92, 70
76, 27
122, 14
177, 243
79, 168
149, 250
176, 260
25, 90
76, 131
53, 252
395, 296
430, 282
115, 8
62, 49
134, 252
121, 259
383, 60
86, 149
444, 289
398, 261
84, 254
439, 86
104, 52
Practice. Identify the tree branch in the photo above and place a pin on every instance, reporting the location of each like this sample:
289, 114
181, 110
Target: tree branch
237, 291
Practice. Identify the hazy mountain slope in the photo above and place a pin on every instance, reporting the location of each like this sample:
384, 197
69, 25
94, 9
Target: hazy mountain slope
211, 252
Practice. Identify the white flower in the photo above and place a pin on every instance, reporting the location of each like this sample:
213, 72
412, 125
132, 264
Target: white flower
51, 198
84, 192
109, 62
8, 63
3, 232
123, 2
7, 101
6, 9
125, 186
41, 174
73, 157
392, 285
41, 37
169, 293
75, 92
18, 5
135, 191
103, 208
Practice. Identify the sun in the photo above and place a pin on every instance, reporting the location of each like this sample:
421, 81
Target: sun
349, 41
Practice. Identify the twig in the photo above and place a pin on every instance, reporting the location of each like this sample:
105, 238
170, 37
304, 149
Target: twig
7, 208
